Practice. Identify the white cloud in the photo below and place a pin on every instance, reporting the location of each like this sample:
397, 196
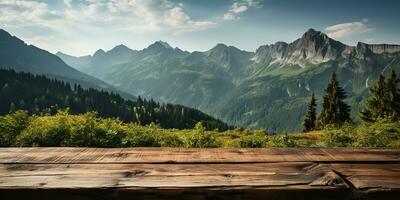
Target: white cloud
130, 15
240, 7
24, 13
79, 25
348, 29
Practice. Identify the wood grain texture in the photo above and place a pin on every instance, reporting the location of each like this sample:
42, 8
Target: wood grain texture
178, 173
193, 155
303, 175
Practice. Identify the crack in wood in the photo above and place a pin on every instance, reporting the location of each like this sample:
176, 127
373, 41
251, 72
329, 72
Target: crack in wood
356, 194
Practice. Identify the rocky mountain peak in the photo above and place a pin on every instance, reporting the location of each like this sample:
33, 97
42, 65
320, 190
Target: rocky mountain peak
220, 46
311, 34
313, 39
120, 47
223, 48
160, 44
313, 47
99, 52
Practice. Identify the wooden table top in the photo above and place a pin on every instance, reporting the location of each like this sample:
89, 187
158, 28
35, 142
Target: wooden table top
180, 173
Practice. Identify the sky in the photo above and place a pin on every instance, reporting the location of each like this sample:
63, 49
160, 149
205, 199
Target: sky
80, 27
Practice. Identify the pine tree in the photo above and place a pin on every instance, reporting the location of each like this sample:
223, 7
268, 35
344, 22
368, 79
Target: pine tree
393, 97
384, 102
309, 122
334, 110
376, 107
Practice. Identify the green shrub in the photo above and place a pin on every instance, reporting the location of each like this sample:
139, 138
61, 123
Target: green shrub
199, 138
334, 137
88, 130
171, 140
48, 131
11, 126
280, 140
140, 136
253, 141
379, 134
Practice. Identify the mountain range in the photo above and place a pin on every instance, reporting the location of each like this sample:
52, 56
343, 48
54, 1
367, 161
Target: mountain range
39, 82
17, 55
267, 88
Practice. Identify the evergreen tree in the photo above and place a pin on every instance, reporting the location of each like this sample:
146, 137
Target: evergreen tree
384, 102
334, 110
375, 106
309, 122
393, 97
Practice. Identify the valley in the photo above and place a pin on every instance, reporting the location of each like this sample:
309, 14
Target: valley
263, 89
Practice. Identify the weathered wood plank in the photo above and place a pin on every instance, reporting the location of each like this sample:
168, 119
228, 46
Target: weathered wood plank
177, 173
302, 175
183, 155
370, 176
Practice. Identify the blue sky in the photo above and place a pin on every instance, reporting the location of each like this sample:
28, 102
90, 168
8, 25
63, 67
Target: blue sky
80, 27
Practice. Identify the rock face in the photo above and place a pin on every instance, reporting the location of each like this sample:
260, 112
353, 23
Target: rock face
313, 47
230, 59
379, 48
262, 89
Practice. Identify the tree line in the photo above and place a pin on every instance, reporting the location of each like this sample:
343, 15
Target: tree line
383, 104
40, 95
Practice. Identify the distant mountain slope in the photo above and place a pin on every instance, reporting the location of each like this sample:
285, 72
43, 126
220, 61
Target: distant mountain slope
263, 89
40, 94
17, 55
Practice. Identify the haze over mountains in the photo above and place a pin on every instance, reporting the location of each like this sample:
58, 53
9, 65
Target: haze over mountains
52, 90
16, 54
263, 89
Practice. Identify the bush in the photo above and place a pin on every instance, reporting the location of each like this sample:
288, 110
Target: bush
199, 138
379, 134
171, 140
88, 130
139, 136
48, 131
253, 141
280, 140
342, 137
11, 126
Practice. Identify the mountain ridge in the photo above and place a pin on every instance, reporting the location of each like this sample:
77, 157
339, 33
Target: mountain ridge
309, 35
17, 55
261, 89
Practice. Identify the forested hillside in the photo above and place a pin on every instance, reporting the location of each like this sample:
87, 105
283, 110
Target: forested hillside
17, 55
267, 88
40, 95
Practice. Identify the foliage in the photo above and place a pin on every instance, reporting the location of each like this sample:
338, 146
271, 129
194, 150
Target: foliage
338, 137
200, 138
43, 95
89, 130
254, 140
11, 126
334, 110
384, 103
378, 134
309, 122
